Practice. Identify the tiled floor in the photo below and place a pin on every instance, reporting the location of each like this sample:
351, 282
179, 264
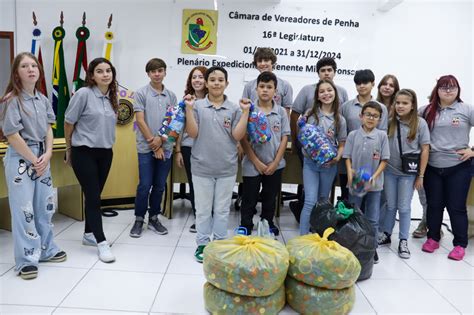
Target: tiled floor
158, 275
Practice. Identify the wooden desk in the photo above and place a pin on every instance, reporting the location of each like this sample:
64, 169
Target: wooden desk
470, 209
292, 174
69, 192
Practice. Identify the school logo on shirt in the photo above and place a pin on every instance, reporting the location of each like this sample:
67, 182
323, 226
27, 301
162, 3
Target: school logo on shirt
276, 127
199, 32
376, 155
227, 122
455, 122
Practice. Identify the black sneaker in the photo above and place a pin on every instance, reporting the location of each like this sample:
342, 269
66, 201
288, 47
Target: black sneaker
403, 250
244, 230
137, 229
192, 228
274, 229
384, 239
155, 225
376, 258
29, 272
59, 257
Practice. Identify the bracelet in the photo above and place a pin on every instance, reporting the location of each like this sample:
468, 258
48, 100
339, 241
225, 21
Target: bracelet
421, 176
177, 151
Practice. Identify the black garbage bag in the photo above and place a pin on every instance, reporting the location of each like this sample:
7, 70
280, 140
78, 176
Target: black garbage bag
352, 230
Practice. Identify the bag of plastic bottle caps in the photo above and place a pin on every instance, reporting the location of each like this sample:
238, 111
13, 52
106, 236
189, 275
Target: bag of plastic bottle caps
173, 123
308, 300
319, 262
352, 230
219, 302
361, 182
246, 265
315, 143
258, 127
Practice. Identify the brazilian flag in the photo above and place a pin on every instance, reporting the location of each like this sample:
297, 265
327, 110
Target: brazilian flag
60, 86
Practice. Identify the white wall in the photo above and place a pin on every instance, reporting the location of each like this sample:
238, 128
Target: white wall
7, 15
417, 40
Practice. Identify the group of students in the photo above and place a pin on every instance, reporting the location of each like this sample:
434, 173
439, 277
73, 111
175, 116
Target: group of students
364, 131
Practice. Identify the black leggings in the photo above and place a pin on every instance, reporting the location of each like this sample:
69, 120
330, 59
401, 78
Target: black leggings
91, 166
186, 153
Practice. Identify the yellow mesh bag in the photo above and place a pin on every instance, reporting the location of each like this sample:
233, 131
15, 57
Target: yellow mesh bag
319, 262
219, 302
246, 265
308, 300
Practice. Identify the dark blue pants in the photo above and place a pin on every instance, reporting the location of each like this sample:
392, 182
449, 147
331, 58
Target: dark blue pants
448, 188
152, 175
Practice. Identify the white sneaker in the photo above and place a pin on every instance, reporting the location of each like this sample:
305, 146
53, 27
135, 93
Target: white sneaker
105, 254
89, 240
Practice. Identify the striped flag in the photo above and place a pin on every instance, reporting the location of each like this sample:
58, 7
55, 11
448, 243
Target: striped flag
60, 86
36, 50
80, 68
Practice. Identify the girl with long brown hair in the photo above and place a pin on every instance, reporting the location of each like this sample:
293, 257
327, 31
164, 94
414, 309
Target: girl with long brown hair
89, 129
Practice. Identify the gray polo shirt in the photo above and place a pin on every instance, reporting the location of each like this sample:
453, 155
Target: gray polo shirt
186, 140
266, 152
283, 97
30, 118
450, 133
408, 146
154, 106
328, 123
93, 118
367, 150
214, 153
351, 111
305, 98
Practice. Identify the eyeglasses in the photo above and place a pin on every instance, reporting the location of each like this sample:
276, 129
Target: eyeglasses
372, 116
448, 88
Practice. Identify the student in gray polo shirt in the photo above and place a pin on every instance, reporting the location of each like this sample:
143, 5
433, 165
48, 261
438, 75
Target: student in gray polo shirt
154, 155
318, 179
89, 131
326, 69
27, 118
365, 82
399, 186
367, 147
264, 59
263, 164
448, 175
216, 124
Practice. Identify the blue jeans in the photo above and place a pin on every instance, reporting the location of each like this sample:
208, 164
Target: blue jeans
371, 209
212, 198
31, 200
399, 192
152, 175
317, 185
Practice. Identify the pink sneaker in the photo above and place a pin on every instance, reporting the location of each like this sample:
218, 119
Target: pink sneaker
457, 253
430, 245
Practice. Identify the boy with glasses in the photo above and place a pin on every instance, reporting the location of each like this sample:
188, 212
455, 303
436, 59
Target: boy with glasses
367, 147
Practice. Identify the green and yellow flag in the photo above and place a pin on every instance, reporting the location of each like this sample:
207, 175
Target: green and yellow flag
60, 86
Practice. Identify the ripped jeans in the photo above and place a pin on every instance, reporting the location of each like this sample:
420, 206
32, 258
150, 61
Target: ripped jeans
32, 206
